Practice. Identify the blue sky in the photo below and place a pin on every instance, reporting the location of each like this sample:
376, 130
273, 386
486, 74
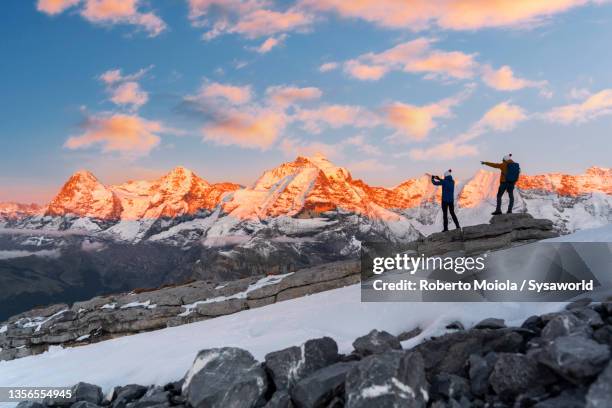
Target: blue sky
230, 88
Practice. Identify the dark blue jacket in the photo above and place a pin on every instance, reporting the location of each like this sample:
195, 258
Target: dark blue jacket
448, 188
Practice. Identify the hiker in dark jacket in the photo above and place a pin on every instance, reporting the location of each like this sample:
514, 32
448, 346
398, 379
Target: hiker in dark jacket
448, 197
510, 171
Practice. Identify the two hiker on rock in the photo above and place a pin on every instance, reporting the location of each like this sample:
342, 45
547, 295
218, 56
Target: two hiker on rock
510, 171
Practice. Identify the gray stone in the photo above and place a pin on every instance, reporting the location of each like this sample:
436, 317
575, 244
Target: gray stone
512, 374
30, 404
87, 392
480, 369
407, 335
376, 342
456, 325
154, 396
392, 379
222, 308
600, 392
225, 377
565, 324
579, 303
290, 365
126, 394
84, 404
588, 315
567, 399
320, 387
491, 323
450, 386
280, 399
575, 357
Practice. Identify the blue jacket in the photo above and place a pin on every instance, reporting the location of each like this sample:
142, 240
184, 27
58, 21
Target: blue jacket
448, 188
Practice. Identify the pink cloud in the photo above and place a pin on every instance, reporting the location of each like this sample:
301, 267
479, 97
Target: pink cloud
108, 12
250, 18
126, 134
593, 106
129, 93
416, 56
234, 94
270, 43
336, 116
55, 6
447, 14
443, 151
255, 128
328, 66
503, 79
503, 117
287, 95
416, 122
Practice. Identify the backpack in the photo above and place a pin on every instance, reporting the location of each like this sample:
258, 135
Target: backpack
513, 172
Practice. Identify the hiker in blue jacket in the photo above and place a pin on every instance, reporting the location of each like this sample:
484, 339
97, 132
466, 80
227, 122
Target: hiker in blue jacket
510, 172
448, 197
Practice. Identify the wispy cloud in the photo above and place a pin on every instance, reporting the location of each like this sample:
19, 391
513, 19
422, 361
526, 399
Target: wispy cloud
108, 12
419, 15
124, 90
504, 79
593, 106
130, 135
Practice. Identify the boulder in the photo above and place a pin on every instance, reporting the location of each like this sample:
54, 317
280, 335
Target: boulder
600, 392
565, 324
30, 404
512, 374
288, 366
87, 392
571, 398
391, 379
320, 387
491, 323
84, 404
575, 357
154, 397
225, 377
376, 342
280, 399
450, 386
126, 394
479, 372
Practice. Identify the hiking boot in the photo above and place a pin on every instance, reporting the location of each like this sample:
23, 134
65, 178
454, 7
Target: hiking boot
496, 212
509, 212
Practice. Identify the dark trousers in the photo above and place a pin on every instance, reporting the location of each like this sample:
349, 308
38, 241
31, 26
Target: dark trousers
446, 207
503, 187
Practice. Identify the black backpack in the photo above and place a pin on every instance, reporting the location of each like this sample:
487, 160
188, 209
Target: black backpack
513, 172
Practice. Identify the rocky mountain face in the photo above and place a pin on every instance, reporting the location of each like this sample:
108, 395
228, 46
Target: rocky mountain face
95, 238
15, 211
560, 359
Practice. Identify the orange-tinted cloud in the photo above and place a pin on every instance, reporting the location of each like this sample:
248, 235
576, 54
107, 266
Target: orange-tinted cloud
447, 14
503, 79
415, 122
127, 134
503, 117
416, 56
255, 128
443, 151
595, 105
328, 66
336, 116
270, 43
55, 6
108, 12
287, 95
129, 93
250, 18
234, 94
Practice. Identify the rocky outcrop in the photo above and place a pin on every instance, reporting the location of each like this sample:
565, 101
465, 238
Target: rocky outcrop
489, 365
502, 231
107, 317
